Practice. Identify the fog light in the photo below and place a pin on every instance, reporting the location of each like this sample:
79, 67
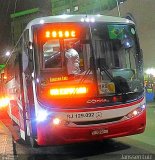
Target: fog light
56, 121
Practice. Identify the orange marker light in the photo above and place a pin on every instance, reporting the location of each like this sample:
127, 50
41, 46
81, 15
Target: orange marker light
68, 91
48, 34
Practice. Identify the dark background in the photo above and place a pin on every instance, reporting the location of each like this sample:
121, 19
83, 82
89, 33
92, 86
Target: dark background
8, 7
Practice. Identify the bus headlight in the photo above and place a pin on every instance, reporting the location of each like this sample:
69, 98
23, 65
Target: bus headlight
46, 116
42, 116
134, 113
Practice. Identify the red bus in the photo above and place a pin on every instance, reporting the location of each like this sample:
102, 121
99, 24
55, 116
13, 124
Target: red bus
92, 91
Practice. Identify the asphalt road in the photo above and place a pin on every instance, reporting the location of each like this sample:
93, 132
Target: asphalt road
114, 149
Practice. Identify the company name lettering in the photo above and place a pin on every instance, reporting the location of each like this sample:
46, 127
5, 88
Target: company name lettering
97, 101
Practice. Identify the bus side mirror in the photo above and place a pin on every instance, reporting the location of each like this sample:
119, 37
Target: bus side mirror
30, 63
27, 58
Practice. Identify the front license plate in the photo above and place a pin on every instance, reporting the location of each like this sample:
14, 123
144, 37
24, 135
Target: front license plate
85, 116
99, 131
81, 116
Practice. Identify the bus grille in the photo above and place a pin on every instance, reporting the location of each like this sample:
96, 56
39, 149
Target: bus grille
98, 121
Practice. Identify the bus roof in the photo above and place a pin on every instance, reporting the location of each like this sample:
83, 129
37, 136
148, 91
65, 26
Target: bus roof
77, 18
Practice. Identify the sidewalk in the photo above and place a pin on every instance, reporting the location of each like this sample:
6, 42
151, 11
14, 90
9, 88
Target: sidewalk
6, 140
6, 145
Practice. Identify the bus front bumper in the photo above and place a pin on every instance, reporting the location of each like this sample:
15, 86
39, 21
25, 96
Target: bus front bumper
47, 134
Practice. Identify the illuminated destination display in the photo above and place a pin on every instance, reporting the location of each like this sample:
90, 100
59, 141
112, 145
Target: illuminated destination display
60, 34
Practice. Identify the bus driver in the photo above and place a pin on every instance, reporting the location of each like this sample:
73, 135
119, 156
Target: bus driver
73, 59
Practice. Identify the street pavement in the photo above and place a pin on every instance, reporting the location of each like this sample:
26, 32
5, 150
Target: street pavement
6, 140
6, 146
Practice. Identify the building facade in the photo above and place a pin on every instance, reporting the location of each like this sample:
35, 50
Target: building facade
21, 18
81, 6
140, 11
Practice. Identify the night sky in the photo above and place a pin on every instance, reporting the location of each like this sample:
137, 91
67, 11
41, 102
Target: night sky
8, 7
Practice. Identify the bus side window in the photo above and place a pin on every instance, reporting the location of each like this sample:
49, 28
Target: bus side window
52, 55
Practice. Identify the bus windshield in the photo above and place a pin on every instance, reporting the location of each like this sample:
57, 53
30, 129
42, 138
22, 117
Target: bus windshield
105, 55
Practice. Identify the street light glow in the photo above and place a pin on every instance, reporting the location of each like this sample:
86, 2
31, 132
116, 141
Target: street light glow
150, 71
7, 53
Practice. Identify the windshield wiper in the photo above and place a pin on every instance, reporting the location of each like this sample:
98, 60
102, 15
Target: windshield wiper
85, 76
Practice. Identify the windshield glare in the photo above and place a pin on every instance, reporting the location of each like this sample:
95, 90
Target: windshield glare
116, 51
112, 46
